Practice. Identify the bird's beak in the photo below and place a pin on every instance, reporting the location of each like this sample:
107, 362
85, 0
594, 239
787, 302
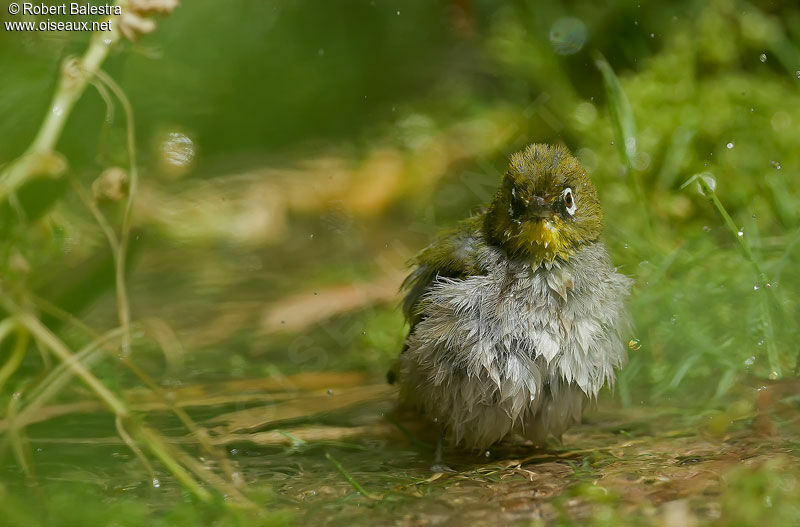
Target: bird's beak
538, 208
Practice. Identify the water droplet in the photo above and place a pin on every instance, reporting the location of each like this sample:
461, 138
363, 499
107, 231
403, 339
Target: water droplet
709, 180
752, 109
760, 342
398, 12
568, 35
773, 375
740, 233
763, 57
797, 74
775, 165
311, 236
635, 344
652, 35
749, 361
177, 152
755, 287
730, 145
330, 392
488, 454
156, 483
626, 245
58, 110
706, 228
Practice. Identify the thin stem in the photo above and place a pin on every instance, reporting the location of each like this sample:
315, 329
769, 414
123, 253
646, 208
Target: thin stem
46, 337
6, 327
152, 440
75, 75
743, 245
159, 448
200, 433
134, 448
349, 478
17, 354
53, 383
120, 255
101, 220
202, 472
11, 365
17, 438
769, 302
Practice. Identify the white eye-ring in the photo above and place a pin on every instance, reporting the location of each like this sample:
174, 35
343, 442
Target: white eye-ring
569, 201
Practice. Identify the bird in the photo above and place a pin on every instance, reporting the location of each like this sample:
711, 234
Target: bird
517, 316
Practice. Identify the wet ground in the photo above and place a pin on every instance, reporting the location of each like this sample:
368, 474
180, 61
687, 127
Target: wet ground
332, 451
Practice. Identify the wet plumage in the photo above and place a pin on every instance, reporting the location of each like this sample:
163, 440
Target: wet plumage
517, 314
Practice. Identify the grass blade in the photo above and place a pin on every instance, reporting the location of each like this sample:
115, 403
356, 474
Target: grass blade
350, 478
621, 112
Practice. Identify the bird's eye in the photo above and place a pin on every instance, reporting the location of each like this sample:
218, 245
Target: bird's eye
518, 204
569, 201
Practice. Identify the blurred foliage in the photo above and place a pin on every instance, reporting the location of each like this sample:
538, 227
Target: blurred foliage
315, 119
767, 494
59, 510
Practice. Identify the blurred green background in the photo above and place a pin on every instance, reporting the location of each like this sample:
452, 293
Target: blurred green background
294, 155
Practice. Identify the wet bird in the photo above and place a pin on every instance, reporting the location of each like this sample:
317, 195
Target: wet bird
517, 314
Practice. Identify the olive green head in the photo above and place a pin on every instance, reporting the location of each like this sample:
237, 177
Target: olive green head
546, 207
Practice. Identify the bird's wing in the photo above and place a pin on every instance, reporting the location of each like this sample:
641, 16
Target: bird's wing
455, 254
